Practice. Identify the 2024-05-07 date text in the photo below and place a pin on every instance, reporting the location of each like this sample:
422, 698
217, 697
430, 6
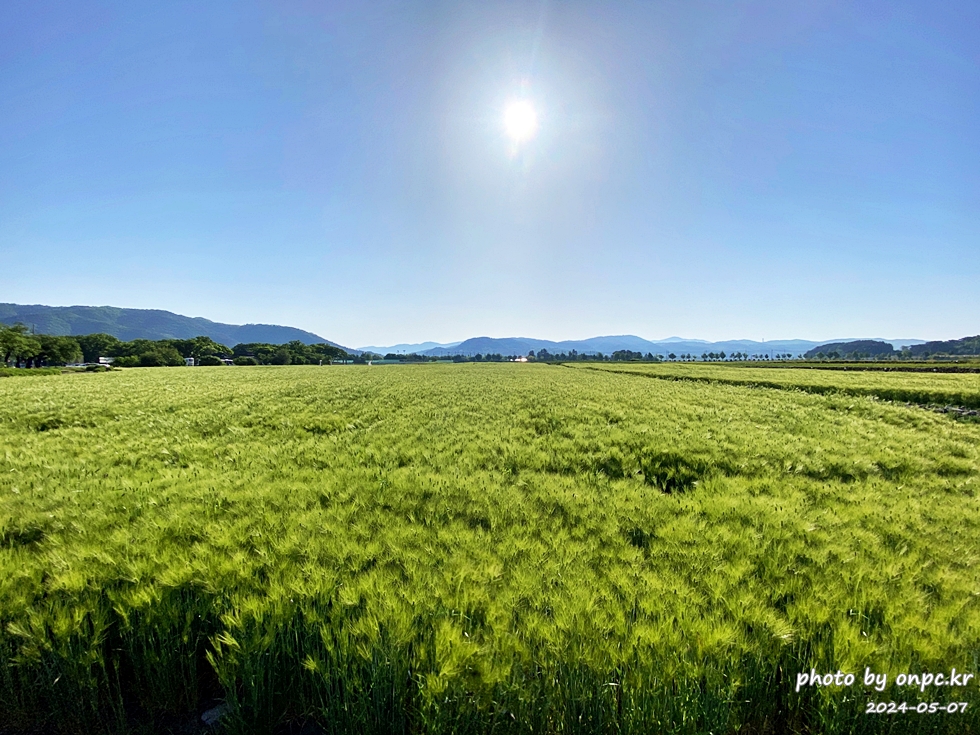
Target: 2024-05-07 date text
922, 708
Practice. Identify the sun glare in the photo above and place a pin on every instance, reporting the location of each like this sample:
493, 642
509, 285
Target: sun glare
520, 120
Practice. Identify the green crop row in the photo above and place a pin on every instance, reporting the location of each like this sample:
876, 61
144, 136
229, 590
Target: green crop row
6, 372
956, 389
475, 548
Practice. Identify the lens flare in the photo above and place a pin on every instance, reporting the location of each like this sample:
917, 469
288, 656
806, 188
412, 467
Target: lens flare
520, 120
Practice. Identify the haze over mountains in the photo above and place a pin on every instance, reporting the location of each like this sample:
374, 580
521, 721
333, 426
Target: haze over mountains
407, 348
609, 344
129, 324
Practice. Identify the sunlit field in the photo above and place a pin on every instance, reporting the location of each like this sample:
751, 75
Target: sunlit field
869, 379
483, 548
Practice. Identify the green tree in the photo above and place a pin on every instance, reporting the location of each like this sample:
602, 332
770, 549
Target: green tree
326, 353
198, 347
141, 346
261, 351
298, 353
161, 356
56, 350
281, 357
98, 345
17, 344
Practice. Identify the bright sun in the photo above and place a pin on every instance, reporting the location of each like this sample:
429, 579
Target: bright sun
520, 120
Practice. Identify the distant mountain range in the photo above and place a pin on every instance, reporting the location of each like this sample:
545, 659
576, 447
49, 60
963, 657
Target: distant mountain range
407, 349
128, 324
610, 344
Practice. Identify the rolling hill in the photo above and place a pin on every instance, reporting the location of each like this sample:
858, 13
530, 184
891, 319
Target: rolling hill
965, 346
857, 348
128, 324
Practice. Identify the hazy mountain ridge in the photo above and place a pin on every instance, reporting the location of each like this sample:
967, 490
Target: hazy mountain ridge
609, 344
406, 348
129, 324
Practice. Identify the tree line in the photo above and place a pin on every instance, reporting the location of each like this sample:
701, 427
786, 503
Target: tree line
543, 355
21, 348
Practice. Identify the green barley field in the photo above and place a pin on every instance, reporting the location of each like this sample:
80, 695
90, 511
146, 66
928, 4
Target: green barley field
485, 548
958, 389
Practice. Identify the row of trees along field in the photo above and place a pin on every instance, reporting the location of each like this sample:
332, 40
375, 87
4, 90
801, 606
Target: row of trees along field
543, 355
20, 348
540, 356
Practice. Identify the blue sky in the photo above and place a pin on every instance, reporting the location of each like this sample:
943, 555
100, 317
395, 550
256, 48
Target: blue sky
715, 170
